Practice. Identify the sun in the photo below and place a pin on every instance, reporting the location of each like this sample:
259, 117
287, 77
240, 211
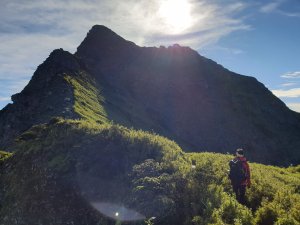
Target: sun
176, 15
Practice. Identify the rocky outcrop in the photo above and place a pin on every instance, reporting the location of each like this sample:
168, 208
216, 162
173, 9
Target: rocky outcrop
193, 100
172, 91
47, 95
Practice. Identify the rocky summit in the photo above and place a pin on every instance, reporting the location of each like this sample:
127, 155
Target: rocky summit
171, 91
83, 143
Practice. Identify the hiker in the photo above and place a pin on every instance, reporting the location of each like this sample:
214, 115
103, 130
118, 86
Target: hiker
239, 175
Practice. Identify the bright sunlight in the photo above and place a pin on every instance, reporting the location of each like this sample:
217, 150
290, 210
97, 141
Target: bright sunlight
176, 15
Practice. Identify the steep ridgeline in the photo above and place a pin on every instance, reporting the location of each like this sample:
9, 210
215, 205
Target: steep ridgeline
51, 92
172, 91
190, 99
46, 95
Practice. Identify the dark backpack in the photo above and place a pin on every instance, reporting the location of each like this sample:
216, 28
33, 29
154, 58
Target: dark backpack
236, 172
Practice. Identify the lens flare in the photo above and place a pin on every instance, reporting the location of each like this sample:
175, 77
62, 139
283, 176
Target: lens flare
117, 211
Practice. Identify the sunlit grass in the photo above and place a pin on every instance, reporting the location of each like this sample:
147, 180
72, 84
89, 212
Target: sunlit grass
88, 99
154, 173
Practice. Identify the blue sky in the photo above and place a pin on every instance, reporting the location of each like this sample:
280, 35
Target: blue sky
254, 38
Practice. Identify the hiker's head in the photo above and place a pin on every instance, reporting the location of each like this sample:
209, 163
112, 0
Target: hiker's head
239, 152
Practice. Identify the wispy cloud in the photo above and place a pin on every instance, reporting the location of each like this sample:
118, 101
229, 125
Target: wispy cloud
288, 84
289, 14
275, 7
294, 106
138, 21
232, 51
290, 93
292, 75
30, 30
271, 7
10, 86
4, 99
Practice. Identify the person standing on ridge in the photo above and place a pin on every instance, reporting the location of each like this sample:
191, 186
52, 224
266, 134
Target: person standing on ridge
239, 175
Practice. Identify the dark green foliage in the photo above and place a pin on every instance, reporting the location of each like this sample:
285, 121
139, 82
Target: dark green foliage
68, 162
266, 215
274, 193
4, 155
65, 165
287, 221
61, 168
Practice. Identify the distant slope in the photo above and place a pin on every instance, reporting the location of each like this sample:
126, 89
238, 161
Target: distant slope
172, 91
61, 173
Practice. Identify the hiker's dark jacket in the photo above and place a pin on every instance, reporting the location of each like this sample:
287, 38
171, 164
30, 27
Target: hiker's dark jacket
246, 169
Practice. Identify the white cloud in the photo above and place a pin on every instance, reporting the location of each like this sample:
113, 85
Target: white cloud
21, 54
30, 30
138, 21
288, 84
10, 86
291, 75
4, 99
290, 93
270, 7
274, 7
294, 106
231, 51
289, 14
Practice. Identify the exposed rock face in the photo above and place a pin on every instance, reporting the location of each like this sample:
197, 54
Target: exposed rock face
191, 99
173, 91
47, 95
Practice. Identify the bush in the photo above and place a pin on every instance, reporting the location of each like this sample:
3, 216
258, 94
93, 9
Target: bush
139, 169
266, 215
286, 221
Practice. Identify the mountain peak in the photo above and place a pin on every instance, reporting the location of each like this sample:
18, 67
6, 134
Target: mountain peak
100, 29
101, 40
102, 33
172, 91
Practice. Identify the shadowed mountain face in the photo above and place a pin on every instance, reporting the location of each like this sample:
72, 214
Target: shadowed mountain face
47, 95
172, 91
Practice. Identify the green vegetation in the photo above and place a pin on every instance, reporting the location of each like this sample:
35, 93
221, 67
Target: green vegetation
65, 157
4, 155
272, 199
88, 100
60, 168
68, 163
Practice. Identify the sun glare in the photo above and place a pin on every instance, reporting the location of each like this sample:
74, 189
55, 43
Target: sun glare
176, 14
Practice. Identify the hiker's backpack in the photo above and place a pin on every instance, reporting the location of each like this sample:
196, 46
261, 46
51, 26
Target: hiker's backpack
236, 172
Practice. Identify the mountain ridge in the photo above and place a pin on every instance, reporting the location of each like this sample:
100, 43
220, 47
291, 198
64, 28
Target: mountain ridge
172, 91
87, 146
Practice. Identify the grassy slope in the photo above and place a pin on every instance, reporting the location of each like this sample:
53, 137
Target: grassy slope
274, 195
153, 174
43, 182
88, 99
4, 155
53, 157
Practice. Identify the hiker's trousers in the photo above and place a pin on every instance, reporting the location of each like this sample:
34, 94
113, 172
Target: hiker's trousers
240, 191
